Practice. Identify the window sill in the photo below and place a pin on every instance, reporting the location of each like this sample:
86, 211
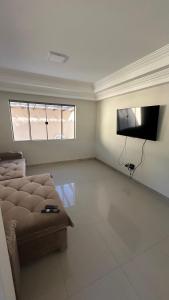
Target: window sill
56, 140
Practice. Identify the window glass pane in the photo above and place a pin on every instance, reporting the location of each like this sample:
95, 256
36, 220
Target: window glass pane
68, 121
54, 121
42, 121
37, 121
20, 121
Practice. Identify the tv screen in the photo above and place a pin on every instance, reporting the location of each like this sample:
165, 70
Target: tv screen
139, 122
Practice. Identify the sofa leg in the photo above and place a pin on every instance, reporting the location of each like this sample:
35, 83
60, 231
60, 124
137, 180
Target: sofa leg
62, 249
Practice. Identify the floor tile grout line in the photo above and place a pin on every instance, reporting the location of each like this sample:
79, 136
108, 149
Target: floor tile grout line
148, 249
113, 268
155, 244
112, 253
101, 277
131, 284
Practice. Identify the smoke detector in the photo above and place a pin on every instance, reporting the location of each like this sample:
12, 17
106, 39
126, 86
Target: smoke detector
57, 57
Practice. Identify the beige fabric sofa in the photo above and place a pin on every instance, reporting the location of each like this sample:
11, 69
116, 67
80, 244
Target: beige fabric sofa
21, 200
12, 165
13, 255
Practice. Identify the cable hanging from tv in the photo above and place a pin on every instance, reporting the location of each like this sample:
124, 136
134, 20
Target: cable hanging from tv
141, 159
130, 166
123, 152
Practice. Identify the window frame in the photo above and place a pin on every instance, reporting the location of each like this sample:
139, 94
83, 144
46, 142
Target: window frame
46, 104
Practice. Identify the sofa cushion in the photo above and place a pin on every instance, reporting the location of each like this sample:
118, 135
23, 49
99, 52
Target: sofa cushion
13, 254
23, 199
12, 169
11, 155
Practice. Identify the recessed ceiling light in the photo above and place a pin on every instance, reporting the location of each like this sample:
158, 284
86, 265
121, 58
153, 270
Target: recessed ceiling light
57, 57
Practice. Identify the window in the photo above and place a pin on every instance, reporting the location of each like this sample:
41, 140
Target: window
38, 121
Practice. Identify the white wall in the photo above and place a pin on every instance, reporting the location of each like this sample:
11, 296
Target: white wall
6, 282
154, 171
37, 152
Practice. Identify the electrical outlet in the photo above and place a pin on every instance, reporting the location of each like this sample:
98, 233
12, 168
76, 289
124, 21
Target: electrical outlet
130, 166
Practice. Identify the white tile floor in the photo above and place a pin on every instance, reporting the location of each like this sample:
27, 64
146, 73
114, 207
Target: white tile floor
119, 248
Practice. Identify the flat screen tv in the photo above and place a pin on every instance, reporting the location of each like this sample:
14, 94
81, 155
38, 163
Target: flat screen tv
139, 122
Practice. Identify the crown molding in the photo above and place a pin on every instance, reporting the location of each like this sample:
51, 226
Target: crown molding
157, 78
151, 70
36, 84
148, 64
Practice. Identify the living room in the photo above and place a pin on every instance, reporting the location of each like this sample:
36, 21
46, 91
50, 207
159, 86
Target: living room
84, 152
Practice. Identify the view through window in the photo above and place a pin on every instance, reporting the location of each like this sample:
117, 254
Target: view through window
36, 121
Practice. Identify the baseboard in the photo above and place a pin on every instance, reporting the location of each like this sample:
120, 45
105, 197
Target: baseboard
62, 161
132, 178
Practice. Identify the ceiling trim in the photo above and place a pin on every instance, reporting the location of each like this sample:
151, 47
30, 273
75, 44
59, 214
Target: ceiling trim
157, 78
151, 70
30, 83
149, 63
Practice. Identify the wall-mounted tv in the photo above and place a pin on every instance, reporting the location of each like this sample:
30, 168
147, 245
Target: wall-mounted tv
139, 122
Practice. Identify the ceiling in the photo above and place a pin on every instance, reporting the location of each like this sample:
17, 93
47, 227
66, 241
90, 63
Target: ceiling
100, 36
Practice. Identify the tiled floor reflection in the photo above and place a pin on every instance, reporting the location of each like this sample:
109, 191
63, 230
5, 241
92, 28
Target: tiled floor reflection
119, 247
67, 193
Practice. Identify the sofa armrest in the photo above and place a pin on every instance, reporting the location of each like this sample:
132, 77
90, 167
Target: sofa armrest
13, 255
10, 155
